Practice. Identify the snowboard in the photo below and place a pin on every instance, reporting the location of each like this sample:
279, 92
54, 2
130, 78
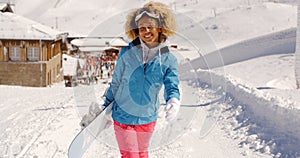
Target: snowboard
86, 136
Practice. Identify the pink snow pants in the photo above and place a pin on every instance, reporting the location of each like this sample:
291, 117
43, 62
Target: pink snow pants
133, 140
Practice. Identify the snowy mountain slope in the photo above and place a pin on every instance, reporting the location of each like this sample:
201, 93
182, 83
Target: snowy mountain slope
86, 15
75, 16
230, 27
275, 43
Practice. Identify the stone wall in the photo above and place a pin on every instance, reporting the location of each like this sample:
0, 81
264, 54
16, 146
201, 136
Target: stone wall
33, 74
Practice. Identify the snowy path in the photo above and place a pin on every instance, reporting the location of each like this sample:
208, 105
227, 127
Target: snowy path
33, 121
46, 121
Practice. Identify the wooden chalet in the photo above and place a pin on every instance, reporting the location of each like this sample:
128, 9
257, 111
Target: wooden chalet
30, 53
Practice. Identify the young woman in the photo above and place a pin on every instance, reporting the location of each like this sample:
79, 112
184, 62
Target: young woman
143, 67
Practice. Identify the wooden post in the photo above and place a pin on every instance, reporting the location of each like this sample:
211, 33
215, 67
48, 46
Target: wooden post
1, 53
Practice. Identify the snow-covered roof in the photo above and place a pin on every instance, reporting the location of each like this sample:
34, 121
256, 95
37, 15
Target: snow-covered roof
98, 42
13, 26
95, 49
5, 7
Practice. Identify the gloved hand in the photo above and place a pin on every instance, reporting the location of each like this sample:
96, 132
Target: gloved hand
172, 109
94, 110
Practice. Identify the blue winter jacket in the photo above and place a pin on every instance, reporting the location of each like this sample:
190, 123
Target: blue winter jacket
135, 86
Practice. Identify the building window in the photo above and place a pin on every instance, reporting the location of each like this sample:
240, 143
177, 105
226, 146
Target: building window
32, 53
14, 53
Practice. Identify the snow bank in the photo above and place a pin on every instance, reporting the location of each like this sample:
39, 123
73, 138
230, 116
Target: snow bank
273, 119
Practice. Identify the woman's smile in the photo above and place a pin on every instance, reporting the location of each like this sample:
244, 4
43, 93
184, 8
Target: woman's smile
149, 31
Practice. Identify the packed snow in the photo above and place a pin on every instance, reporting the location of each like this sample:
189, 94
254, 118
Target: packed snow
244, 105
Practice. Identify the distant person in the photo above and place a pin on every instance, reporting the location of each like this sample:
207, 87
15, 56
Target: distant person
114, 61
96, 79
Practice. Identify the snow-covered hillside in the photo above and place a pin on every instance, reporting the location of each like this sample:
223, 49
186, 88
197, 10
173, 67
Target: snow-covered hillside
81, 17
247, 106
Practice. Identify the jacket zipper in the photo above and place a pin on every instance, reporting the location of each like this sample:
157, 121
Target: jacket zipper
145, 67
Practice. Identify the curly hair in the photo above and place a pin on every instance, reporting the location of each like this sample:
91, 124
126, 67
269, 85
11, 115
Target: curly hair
167, 19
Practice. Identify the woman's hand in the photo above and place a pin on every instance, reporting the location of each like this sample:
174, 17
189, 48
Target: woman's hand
172, 109
94, 110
